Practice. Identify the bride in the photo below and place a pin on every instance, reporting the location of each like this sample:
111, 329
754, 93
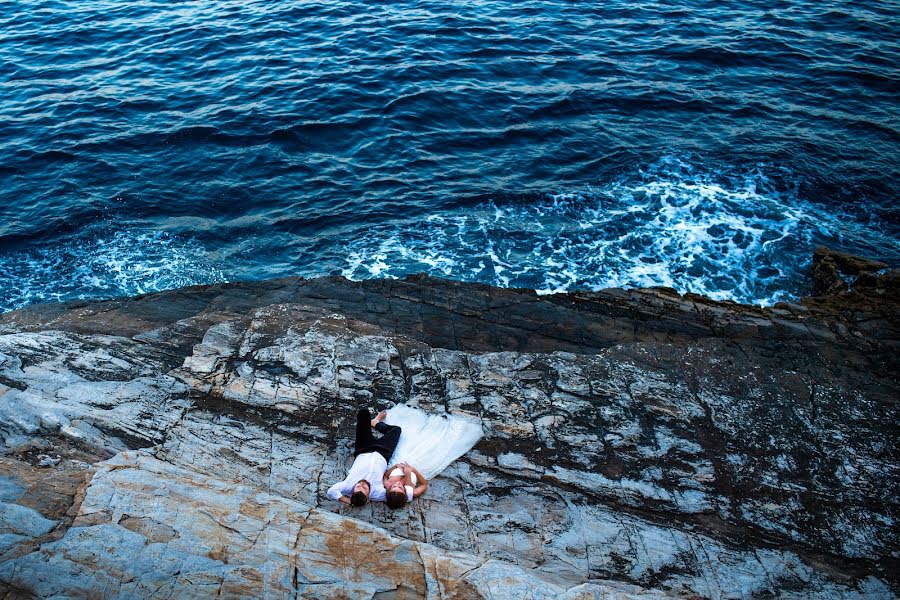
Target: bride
402, 483
429, 441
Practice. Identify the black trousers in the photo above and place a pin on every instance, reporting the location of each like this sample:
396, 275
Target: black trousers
366, 442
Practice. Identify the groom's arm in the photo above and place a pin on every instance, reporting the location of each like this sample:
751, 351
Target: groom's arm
335, 493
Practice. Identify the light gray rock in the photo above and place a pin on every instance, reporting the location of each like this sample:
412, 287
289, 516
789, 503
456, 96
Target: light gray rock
147, 528
637, 444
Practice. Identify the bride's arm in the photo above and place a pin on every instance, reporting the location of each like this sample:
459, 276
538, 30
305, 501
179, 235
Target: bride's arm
384, 478
423, 483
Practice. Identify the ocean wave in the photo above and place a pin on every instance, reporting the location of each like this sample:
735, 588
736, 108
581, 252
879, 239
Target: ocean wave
104, 264
742, 234
728, 235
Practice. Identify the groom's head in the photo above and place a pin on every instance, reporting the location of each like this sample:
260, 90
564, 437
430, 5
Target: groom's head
360, 494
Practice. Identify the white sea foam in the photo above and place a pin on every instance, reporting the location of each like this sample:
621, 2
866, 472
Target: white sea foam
727, 235
730, 237
103, 264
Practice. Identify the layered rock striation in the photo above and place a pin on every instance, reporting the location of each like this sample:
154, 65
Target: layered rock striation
638, 444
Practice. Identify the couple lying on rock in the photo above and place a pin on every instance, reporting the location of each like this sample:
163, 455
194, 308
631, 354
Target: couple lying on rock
370, 478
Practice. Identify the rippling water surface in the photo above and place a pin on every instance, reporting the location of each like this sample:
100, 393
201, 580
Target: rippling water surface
555, 145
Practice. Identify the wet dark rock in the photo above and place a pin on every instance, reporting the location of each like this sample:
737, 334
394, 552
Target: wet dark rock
838, 272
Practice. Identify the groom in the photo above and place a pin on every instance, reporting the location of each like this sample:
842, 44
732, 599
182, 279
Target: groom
364, 481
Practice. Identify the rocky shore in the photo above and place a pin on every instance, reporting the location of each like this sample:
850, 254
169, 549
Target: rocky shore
638, 444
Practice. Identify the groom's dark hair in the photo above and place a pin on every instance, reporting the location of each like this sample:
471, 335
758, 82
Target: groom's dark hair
360, 498
395, 499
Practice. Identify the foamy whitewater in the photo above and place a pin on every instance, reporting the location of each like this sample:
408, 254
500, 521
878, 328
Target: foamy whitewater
104, 263
724, 233
745, 238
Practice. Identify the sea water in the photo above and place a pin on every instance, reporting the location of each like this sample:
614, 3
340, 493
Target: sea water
558, 146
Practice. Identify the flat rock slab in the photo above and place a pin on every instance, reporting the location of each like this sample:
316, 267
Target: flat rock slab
637, 443
148, 529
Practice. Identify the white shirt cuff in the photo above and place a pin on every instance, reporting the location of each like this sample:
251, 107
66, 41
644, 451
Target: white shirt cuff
334, 492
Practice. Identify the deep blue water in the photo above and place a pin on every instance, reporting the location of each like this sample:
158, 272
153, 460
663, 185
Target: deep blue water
556, 145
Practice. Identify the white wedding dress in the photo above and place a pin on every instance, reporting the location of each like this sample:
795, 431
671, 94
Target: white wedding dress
430, 442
